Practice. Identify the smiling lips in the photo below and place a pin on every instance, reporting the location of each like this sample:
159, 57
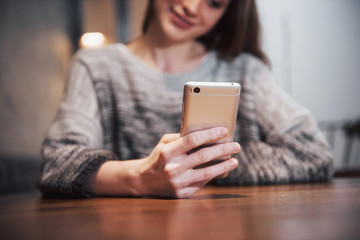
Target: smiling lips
179, 20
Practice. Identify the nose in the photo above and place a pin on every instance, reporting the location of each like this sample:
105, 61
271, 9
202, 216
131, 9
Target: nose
191, 7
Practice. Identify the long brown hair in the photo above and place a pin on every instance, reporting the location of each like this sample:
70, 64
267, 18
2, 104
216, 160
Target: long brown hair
237, 31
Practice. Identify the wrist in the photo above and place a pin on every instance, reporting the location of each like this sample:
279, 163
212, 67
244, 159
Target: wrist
133, 181
116, 178
139, 178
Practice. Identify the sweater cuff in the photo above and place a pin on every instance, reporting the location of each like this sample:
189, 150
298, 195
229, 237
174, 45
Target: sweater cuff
96, 157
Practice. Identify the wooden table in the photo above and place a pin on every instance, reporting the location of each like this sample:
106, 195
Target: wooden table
304, 211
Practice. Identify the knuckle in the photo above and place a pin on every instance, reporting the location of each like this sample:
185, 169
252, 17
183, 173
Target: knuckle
192, 140
164, 138
169, 172
203, 154
170, 137
204, 175
226, 148
207, 175
175, 185
215, 133
172, 169
164, 152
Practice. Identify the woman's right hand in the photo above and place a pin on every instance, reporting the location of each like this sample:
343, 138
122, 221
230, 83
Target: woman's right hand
169, 170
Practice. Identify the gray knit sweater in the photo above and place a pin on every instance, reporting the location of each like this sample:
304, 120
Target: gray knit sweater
115, 107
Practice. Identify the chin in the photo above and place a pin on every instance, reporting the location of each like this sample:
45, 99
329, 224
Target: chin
178, 35
179, 38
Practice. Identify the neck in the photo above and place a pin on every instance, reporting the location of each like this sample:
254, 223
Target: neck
166, 55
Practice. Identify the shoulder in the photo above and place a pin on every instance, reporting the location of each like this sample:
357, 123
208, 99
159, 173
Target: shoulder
250, 63
107, 62
255, 69
244, 67
106, 55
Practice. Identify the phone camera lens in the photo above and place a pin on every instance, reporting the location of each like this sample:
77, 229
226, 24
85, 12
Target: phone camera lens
196, 90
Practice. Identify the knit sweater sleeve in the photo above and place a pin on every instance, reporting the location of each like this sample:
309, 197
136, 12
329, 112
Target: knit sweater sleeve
72, 150
291, 149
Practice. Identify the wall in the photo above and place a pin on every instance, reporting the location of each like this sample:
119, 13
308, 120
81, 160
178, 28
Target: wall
315, 51
35, 52
100, 16
315, 48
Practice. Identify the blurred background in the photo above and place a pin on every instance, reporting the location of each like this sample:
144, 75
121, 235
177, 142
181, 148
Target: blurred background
313, 46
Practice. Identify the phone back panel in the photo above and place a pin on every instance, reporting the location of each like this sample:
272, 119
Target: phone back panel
215, 105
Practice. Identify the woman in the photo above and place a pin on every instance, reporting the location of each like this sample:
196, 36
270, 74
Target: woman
122, 101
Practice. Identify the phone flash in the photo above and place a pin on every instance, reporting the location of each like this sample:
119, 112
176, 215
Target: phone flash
189, 90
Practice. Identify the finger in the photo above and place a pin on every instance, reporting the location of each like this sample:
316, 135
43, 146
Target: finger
167, 138
189, 190
196, 139
194, 177
208, 173
204, 155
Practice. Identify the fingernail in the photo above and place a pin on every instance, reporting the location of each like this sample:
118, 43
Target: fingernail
222, 131
235, 147
234, 163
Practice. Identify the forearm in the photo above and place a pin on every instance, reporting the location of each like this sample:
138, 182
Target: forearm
66, 168
291, 148
116, 178
262, 163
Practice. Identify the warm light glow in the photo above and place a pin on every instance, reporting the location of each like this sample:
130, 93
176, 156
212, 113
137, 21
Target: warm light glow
92, 39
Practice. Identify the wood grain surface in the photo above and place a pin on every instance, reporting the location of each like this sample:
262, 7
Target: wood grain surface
301, 211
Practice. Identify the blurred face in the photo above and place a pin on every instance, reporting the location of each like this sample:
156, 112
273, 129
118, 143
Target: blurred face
183, 20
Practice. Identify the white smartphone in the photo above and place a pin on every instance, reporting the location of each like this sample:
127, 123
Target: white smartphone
210, 104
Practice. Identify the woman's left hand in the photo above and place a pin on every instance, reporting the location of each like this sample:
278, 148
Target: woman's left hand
169, 170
